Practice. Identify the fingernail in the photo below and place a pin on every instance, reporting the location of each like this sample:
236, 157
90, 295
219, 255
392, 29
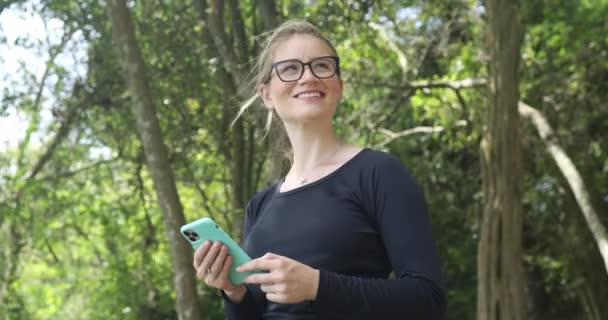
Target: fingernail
239, 269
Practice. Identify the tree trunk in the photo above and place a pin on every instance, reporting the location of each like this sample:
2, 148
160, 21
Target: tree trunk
499, 263
242, 150
269, 14
276, 160
589, 302
157, 159
11, 304
231, 144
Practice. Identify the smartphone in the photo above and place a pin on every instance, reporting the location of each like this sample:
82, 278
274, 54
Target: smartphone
205, 229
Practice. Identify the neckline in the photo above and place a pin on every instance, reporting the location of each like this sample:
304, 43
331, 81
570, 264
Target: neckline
278, 193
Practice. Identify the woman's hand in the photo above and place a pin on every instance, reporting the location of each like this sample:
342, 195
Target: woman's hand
287, 280
212, 264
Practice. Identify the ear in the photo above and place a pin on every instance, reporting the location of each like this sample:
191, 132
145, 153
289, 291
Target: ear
265, 95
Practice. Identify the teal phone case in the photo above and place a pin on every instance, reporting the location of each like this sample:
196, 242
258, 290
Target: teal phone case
206, 229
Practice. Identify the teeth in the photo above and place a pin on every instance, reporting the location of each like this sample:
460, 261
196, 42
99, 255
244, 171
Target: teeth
309, 94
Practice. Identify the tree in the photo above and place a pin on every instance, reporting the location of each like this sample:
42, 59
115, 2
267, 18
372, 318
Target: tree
231, 42
143, 108
86, 239
573, 177
500, 274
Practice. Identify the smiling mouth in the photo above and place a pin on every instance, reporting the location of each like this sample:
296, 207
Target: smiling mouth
310, 95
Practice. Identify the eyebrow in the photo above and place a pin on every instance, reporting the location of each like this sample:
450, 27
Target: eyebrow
296, 59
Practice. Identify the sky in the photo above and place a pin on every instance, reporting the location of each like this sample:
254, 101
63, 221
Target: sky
13, 26
16, 25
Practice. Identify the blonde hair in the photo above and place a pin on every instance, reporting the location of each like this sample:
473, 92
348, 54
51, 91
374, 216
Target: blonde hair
262, 70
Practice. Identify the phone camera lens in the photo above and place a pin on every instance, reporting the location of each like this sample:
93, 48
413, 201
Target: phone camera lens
193, 236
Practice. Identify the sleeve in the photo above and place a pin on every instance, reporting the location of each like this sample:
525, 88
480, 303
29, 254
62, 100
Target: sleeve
396, 203
249, 308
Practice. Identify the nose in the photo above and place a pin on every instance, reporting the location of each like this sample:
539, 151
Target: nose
307, 75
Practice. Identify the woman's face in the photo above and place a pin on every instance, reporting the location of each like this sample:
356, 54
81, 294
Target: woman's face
309, 98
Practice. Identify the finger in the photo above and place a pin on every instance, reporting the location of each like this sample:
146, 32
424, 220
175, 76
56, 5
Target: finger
200, 253
226, 268
258, 264
271, 255
211, 255
216, 267
267, 288
201, 274
262, 278
272, 288
276, 297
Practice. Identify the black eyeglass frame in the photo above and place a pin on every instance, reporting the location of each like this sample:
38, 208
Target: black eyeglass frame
309, 64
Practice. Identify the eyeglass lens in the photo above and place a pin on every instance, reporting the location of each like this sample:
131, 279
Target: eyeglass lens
292, 70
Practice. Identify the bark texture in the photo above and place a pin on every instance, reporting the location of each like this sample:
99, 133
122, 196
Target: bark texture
230, 43
500, 273
157, 159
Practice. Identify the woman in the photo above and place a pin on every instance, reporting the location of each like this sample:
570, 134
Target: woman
341, 220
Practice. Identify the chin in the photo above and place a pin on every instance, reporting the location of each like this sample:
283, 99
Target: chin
305, 112
312, 117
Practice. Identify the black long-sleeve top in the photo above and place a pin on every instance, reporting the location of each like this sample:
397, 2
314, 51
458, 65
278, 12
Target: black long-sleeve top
355, 225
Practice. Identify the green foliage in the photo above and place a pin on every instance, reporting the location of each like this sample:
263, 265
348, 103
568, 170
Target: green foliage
85, 238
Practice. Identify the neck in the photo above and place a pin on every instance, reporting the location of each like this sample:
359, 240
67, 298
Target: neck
313, 144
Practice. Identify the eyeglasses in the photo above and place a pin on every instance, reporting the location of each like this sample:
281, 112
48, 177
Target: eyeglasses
321, 67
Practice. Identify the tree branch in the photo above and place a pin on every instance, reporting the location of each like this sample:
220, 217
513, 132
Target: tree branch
387, 115
213, 19
575, 180
202, 193
59, 136
403, 63
424, 84
565, 164
394, 135
411, 87
408, 132
54, 51
52, 252
67, 174
46, 156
